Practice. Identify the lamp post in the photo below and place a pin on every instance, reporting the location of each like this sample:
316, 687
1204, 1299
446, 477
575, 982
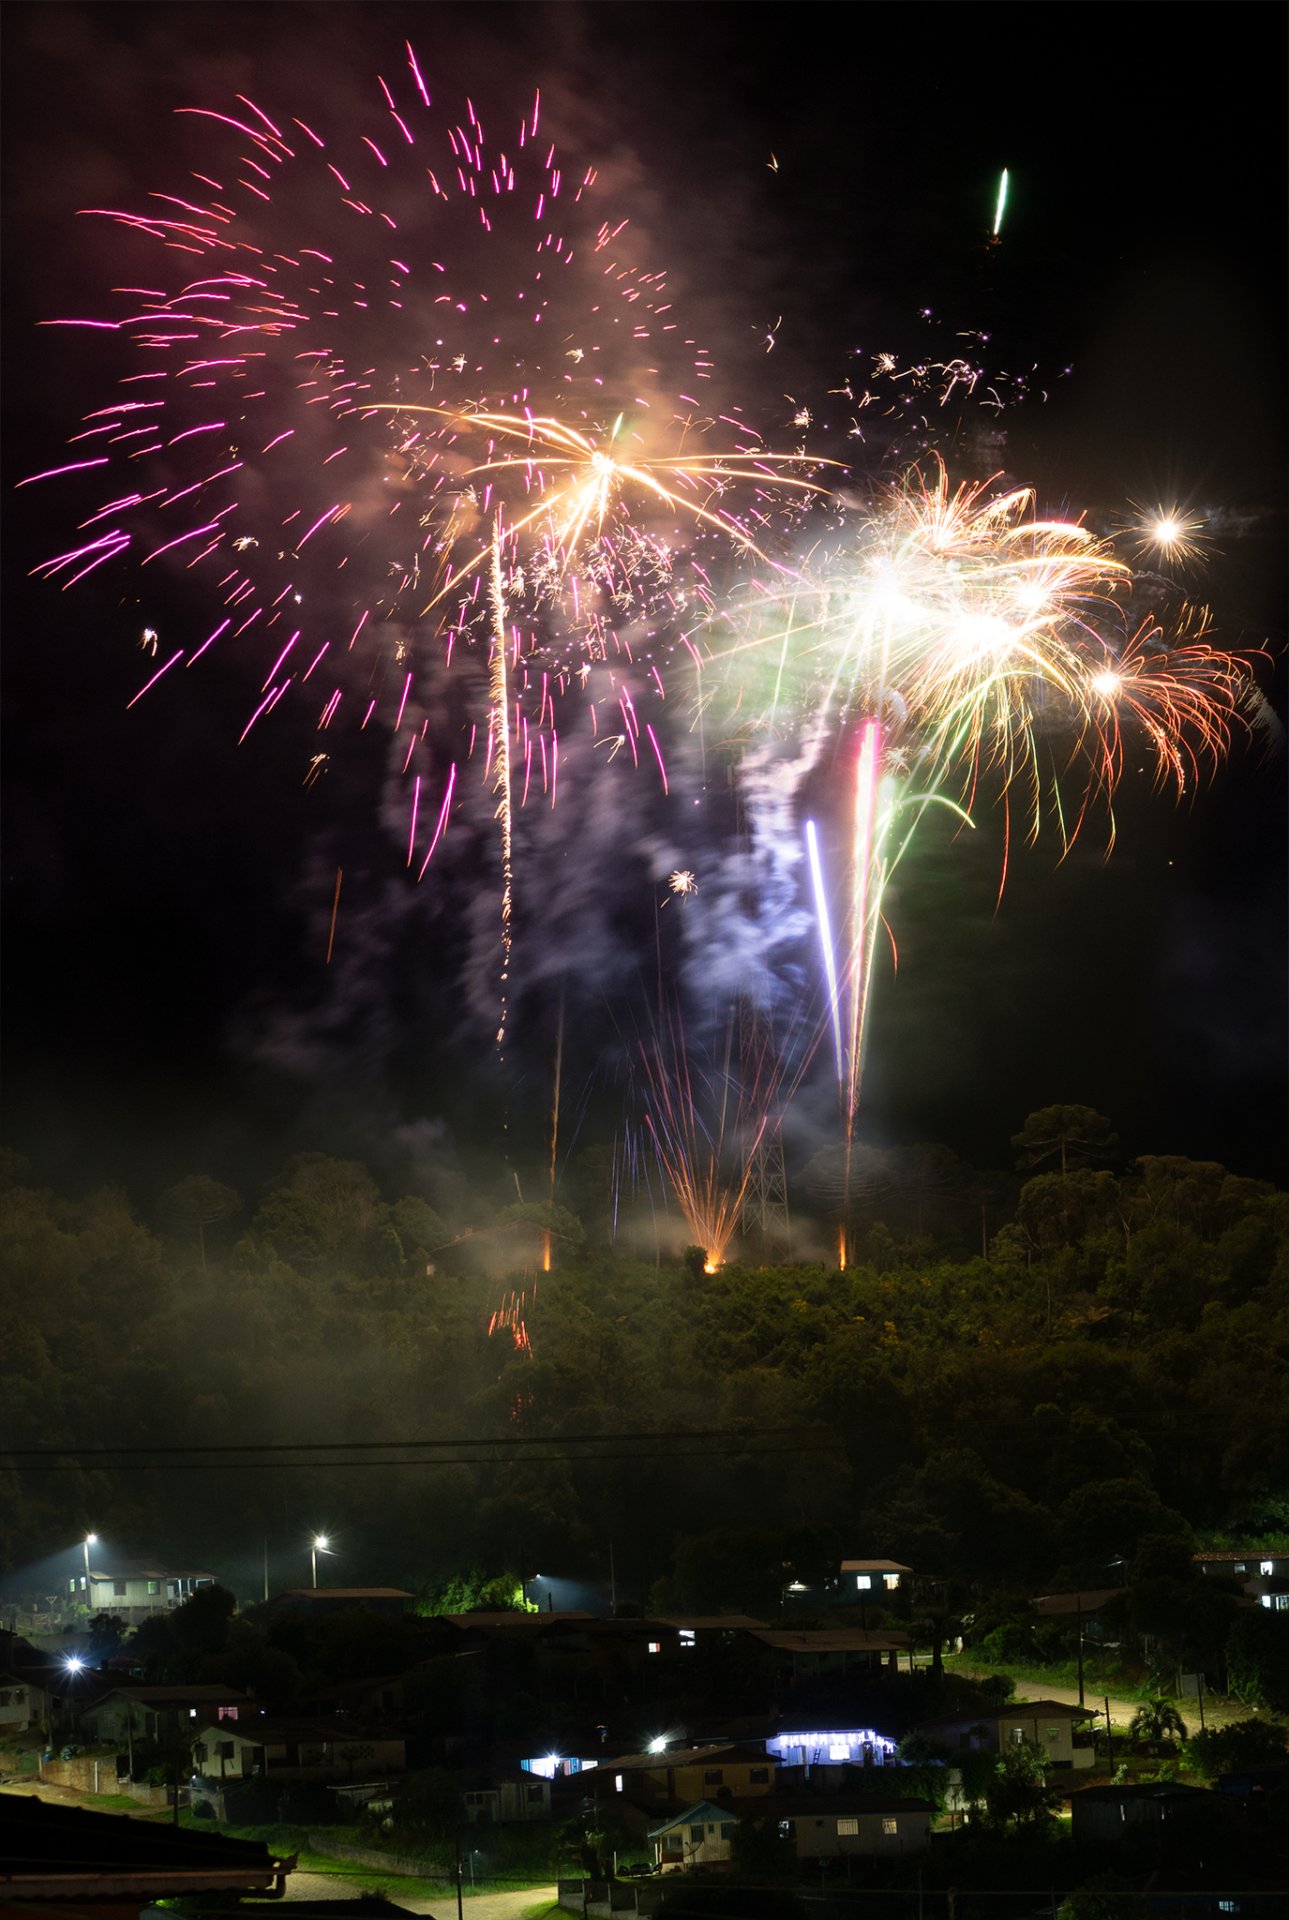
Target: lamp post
318, 1545
90, 1540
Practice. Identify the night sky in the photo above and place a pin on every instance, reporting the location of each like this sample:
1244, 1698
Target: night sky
167, 894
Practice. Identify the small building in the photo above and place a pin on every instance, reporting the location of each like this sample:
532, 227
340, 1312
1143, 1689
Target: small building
134, 1589
810, 1652
698, 1837
1048, 1725
23, 1702
505, 1796
1261, 1573
1108, 1816
681, 1776
827, 1826
225, 1750
873, 1579
821, 1752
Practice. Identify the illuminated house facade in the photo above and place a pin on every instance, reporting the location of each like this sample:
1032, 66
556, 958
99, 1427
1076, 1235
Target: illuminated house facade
685, 1775
814, 1750
698, 1837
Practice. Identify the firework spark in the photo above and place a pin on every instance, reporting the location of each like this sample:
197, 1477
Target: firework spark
964, 646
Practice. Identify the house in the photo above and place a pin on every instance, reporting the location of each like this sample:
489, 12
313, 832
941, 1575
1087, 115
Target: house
826, 1826
136, 1588
225, 1750
24, 1702
1048, 1725
822, 1752
161, 1713
810, 1652
1108, 1816
501, 1795
1261, 1573
698, 1837
680, 1776
873, 1580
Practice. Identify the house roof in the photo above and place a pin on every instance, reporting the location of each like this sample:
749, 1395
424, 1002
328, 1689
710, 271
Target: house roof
203, 1696
260, 1733
1015, 1710
1242, 1554
834, 1640
1143, 1790
874, 1566
54, 1851
705, 1811
725, 1753
708, 1622
148, 1570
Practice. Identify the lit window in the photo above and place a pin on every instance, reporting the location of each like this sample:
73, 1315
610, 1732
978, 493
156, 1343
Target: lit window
1239, 1566
841, 1752
863, 1581
617, 1783
1267, 1567
847, 1824
890, 1824
655, 1646
1282, 1602
1018, 1736
890, 1581
154, 1586
1266, 1599
687, 1636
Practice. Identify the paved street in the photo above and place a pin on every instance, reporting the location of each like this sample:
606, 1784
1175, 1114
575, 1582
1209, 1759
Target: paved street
482, 1906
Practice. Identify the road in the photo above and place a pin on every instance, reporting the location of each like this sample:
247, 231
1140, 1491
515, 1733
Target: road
479, 1906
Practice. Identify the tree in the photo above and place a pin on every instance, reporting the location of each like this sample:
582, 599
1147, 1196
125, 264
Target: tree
759, 1851
1017, 1793
1157, 1722
1105, 1897
1074, 1136
1257, 1659
197, 1203
1245, 1743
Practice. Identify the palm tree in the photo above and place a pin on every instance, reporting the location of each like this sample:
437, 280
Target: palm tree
1157, 1722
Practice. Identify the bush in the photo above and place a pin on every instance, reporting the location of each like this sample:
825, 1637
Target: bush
1248, 1743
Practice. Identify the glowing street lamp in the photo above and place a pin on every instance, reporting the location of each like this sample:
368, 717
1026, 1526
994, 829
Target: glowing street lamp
90, 1540
319, 1545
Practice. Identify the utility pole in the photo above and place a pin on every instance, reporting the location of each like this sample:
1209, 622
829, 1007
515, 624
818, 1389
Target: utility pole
1078, 1612
1109, 1735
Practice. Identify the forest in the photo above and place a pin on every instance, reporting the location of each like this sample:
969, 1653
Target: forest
1068, 1374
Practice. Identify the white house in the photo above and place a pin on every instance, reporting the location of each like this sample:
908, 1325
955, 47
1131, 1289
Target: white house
1046, 1724
698, 1837
136, 1588
1261, 1572
295, 1750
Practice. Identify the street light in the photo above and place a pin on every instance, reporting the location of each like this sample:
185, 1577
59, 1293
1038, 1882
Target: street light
319, 1545
90, 1540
